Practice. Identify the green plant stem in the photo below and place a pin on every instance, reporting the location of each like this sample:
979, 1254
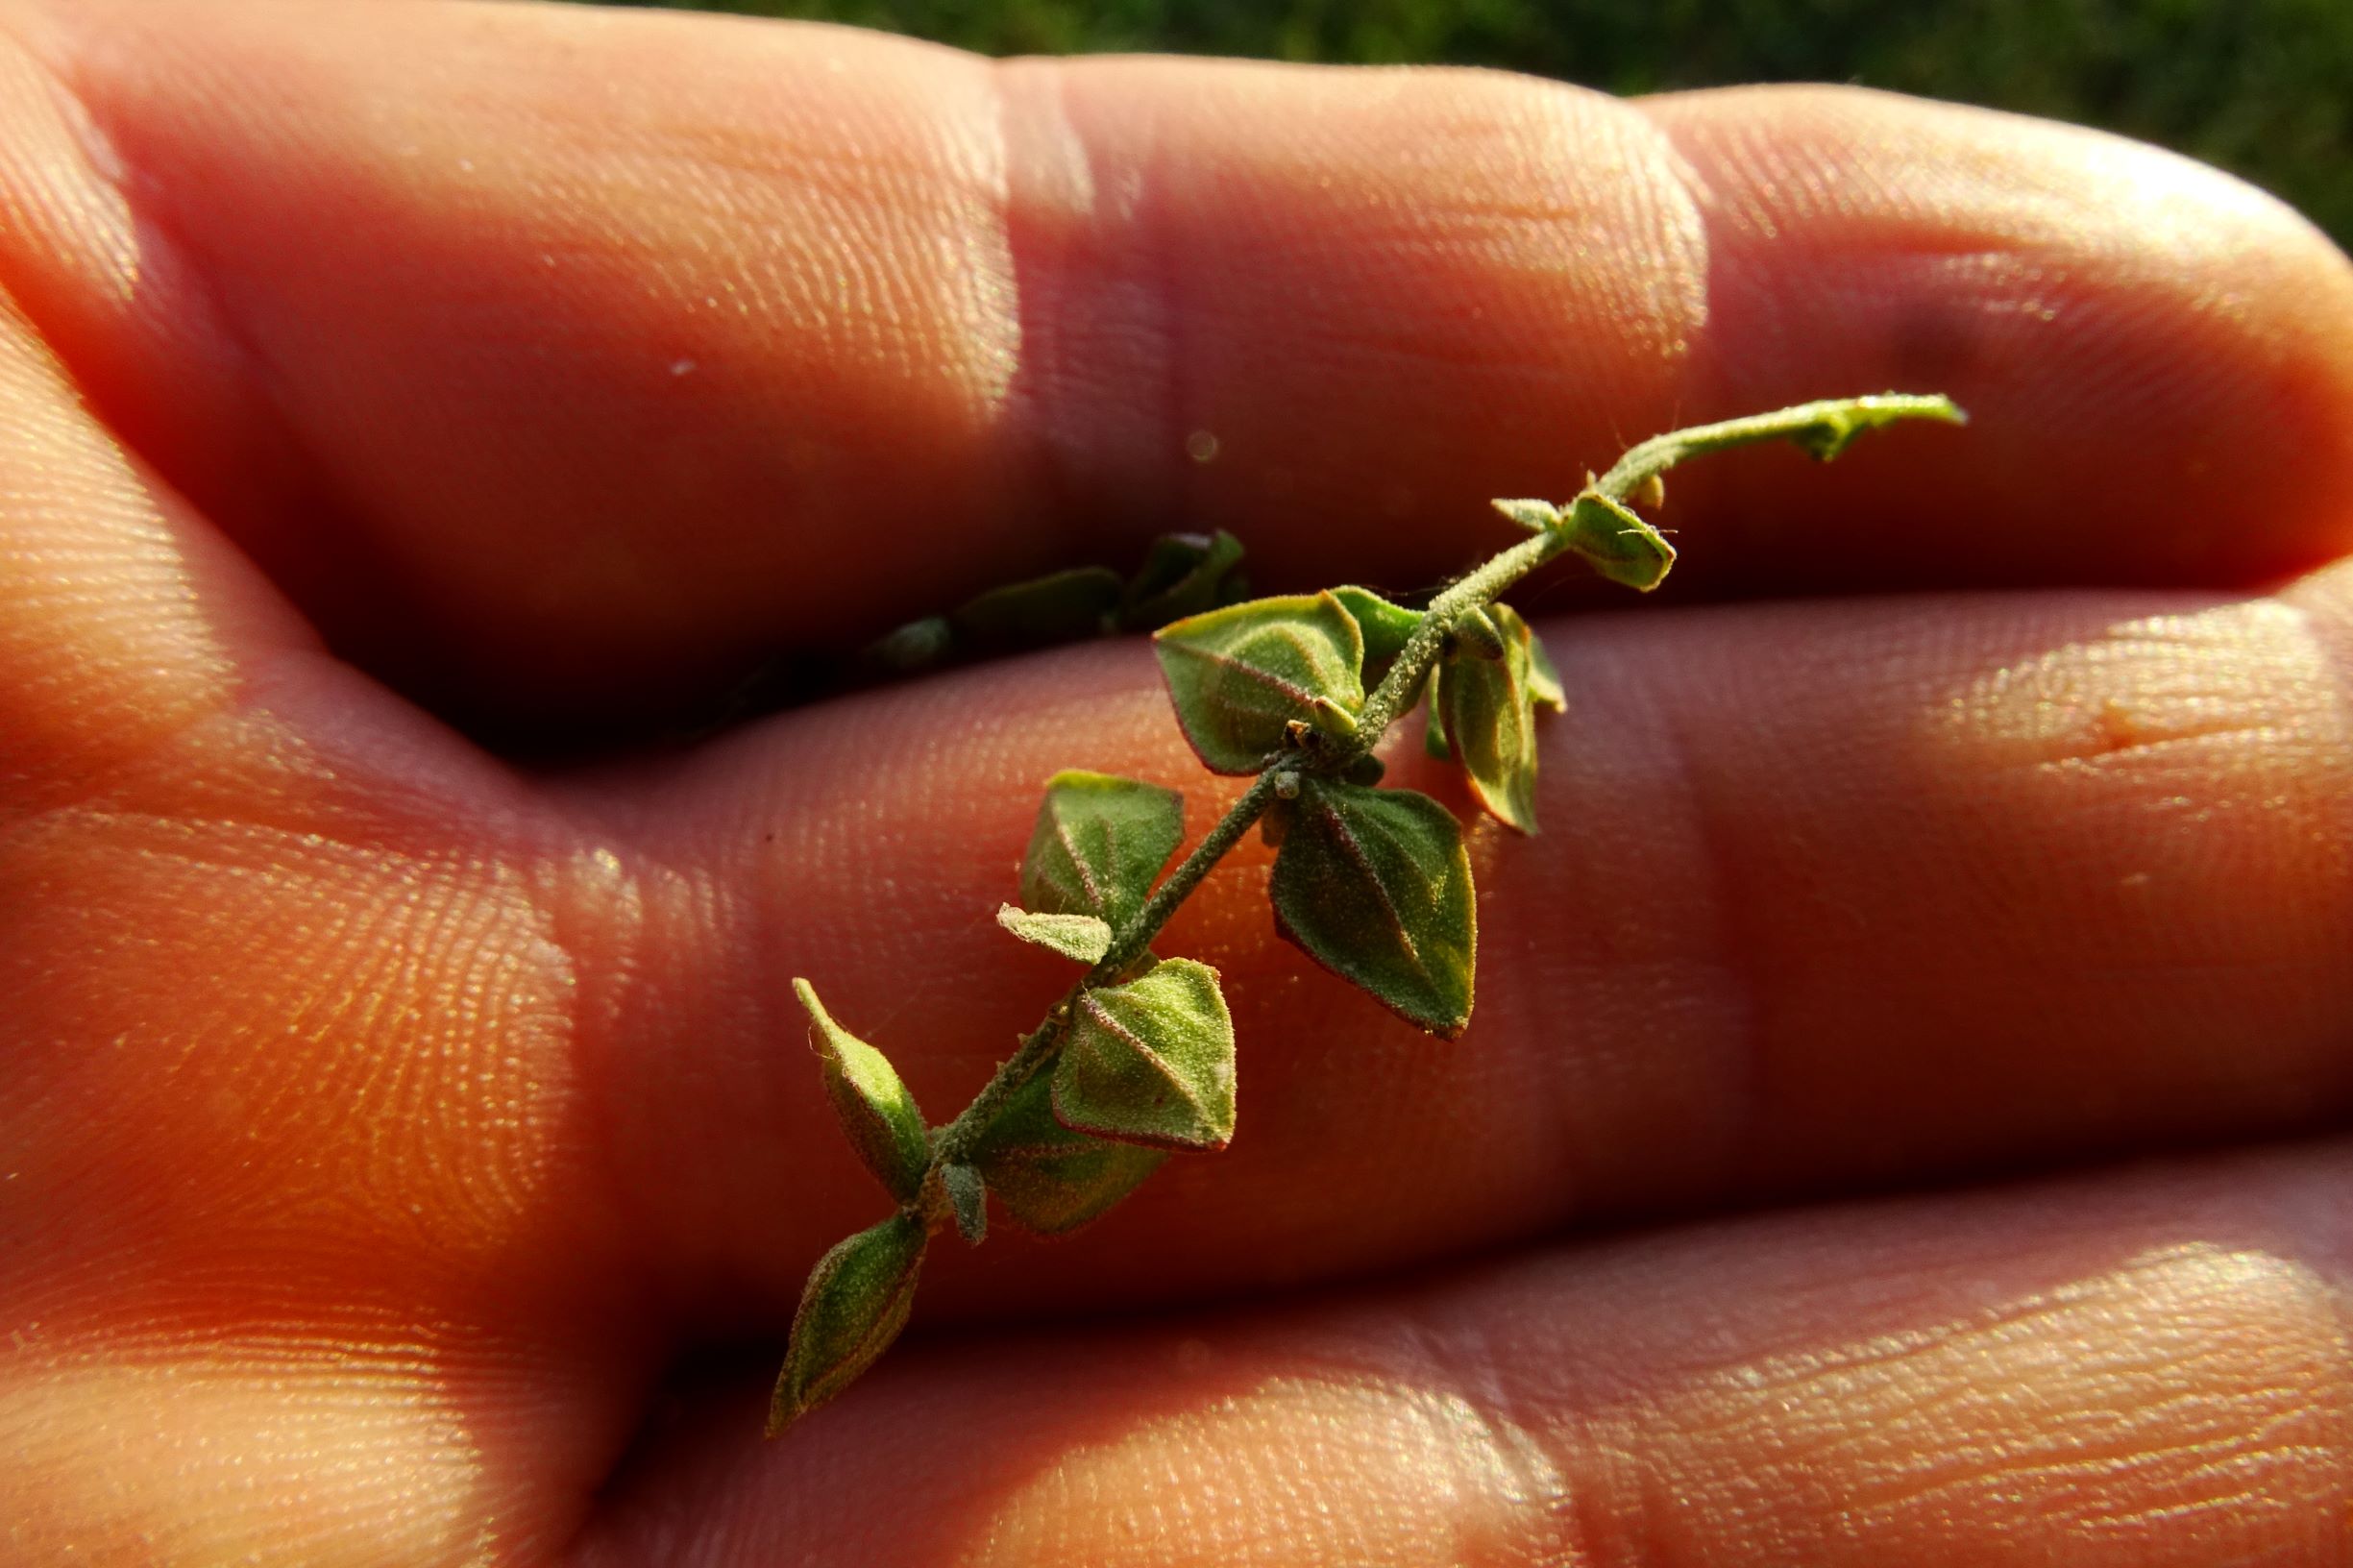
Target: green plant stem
1825, 427
954, 1142
1833, 421
1399, 688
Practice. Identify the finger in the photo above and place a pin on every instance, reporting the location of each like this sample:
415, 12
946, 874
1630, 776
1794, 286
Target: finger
2148, 1368
550, 394
1828, 898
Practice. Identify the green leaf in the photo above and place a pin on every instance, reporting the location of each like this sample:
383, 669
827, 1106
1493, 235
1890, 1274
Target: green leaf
1375, 884
968, 1196
1476, 635
1434, 743
1491, 724
1049, 1178
1183, 574
1536, 516
1099, 842
1620, 546
1240, 676
855, 1303
1385, 627
1060, 607
1543, 680
877, 1111
1081, 936
1151, 1062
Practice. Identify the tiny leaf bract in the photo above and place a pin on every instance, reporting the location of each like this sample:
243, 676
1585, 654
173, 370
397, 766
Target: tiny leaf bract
1083, 937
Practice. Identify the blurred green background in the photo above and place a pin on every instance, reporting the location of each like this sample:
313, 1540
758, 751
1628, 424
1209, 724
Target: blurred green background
2262, 87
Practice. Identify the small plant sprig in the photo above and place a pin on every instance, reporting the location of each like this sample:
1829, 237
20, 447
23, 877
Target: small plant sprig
1136, 1059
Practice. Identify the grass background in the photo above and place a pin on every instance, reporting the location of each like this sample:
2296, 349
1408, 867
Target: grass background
2262, 87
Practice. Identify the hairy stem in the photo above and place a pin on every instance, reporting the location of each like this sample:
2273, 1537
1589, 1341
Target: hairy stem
1824, 428
954, 1142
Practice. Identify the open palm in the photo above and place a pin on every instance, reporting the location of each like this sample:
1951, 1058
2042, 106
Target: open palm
409, 1154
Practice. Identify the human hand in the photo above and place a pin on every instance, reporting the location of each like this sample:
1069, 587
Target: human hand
391, 1131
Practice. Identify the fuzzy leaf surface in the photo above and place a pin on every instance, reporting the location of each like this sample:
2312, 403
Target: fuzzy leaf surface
854, 1304
1536, 516
1151, 1062
1050, 1179
1434, 743
877, 1111
1375, 886
1543, 680
1081, 936
1241, 675
1491, 724
1099, 842
1620, 546
968, 1196
1386, 628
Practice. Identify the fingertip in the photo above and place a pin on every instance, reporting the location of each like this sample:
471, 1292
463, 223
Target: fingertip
2159, 356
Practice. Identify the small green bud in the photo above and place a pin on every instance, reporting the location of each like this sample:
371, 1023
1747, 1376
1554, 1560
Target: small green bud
877, 1111
1621, 546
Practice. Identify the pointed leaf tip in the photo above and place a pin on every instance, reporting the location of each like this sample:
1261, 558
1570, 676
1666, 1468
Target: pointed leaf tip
1151, 1062
854, 1304
877, 1113
1375, 886
1240, 676
1081, 937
